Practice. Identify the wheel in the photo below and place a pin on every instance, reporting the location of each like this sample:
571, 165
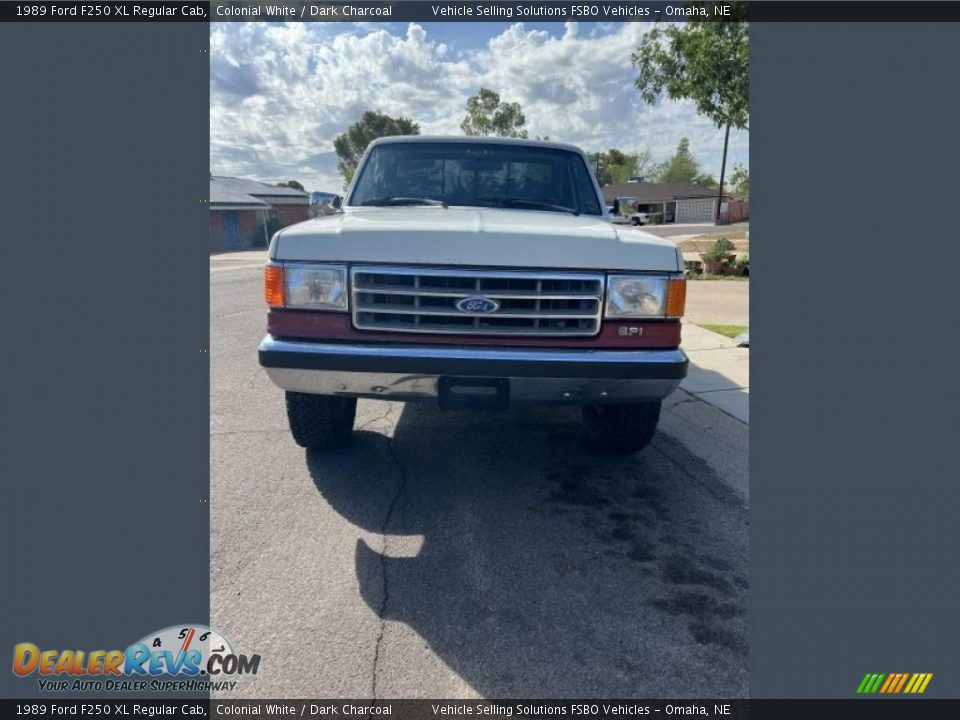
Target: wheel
634, 221
321, 422
628, 427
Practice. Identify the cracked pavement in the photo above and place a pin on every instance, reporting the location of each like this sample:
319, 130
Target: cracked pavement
459, 554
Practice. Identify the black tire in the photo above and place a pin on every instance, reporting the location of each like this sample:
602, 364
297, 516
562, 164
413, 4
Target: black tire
622, 428
634, 221
321, 422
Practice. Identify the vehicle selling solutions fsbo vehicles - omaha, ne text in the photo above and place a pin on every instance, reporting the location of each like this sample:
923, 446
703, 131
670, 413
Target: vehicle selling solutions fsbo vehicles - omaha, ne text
473, 272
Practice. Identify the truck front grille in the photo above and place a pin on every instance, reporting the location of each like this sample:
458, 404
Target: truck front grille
424, 300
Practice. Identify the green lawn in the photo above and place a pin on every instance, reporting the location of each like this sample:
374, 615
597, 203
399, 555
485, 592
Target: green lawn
731, 331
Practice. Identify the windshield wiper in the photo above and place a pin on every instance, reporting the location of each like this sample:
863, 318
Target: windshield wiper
531, 204
393, 200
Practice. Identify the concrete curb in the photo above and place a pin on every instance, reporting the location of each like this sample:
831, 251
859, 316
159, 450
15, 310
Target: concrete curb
719, 371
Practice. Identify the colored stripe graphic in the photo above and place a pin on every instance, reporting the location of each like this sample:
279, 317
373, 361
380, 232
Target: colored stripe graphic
890, 686
894, 683
870, 683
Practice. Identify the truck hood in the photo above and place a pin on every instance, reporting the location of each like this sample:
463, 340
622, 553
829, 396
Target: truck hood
478, 237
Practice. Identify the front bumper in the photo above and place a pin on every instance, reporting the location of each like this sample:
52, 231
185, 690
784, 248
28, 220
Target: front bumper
419, 372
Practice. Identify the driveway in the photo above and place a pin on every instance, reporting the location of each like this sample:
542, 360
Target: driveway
456, 554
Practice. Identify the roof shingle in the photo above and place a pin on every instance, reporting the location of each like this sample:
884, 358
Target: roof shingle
646, 192
222, 188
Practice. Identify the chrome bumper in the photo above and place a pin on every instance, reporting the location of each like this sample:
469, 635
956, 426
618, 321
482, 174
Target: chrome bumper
414, 372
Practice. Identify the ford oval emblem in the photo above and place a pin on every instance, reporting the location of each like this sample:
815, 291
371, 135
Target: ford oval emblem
476, 304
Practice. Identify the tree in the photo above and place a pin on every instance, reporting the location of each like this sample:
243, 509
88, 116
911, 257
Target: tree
643, 165
683, 168
615, 166
486, 115
740, 181
351, 144
703, 61
292, 184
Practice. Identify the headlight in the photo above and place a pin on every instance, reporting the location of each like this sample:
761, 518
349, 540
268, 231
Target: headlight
308, 287
645, 296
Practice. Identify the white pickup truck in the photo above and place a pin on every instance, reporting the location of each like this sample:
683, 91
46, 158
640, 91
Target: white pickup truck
473, 272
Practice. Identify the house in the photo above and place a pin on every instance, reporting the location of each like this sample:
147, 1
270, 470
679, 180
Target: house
678, 202
245, 213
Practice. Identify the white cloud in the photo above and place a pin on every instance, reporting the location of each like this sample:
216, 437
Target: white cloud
280, 93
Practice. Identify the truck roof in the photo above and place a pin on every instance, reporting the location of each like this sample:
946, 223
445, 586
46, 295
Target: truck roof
474, 139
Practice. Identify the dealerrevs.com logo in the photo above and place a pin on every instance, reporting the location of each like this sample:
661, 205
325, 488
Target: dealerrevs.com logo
179, 658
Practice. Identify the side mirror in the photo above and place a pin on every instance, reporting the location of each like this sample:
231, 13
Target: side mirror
337, 202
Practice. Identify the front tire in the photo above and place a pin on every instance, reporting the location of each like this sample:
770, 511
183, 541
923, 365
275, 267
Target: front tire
626, 428
321, 422
635, 221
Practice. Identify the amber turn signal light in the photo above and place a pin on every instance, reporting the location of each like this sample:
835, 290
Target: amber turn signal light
676, 297
273, 285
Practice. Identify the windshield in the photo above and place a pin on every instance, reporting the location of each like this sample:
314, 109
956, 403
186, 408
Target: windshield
477, 174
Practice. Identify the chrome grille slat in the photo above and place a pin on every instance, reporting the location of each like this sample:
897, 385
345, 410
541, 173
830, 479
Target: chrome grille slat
392, 310
423, 299
393, 290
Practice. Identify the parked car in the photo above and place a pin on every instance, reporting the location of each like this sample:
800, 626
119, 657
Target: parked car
473, 273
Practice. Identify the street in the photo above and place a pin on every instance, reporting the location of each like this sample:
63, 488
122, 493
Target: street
721, 302
458, 554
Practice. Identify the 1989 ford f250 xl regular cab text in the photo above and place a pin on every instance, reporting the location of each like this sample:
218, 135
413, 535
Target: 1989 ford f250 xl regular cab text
473, 272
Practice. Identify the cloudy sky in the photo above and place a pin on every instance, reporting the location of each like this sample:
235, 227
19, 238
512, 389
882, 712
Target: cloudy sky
280, 93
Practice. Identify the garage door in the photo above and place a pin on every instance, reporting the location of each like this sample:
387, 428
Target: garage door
700, 210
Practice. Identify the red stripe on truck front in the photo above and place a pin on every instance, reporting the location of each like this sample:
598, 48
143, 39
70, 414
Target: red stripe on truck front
311, 325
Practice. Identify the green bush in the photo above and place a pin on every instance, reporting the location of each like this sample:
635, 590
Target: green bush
714, 254
724, 246
656, 218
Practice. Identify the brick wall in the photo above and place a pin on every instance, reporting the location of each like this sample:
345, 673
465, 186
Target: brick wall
290, 214
235, 230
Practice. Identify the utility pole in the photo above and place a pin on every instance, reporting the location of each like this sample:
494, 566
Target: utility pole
723, 169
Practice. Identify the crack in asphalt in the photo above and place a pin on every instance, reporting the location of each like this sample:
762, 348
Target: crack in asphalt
401, 486
253, 378
731, 497
695, 397
685, 401
370, 422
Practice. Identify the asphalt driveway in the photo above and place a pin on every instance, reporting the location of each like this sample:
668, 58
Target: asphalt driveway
457, 554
